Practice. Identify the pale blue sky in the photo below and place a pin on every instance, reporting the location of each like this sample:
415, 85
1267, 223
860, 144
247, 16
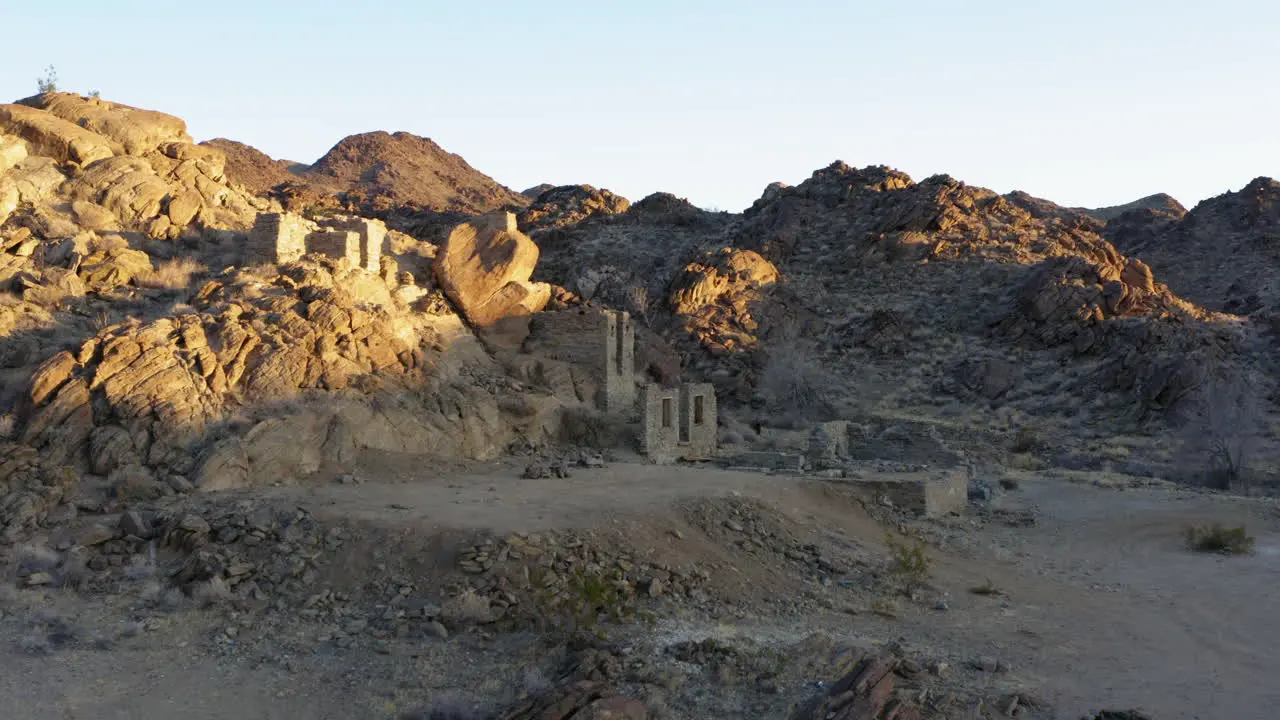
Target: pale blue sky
1082, 102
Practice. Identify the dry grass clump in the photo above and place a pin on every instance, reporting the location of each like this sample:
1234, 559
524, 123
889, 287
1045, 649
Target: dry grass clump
171, 275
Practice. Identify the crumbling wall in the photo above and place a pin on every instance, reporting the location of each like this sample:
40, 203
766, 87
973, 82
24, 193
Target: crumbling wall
340, 244
277, 238
620, 362
679, 423
661, 437
940, 494
601, 342
372, 234
698, 415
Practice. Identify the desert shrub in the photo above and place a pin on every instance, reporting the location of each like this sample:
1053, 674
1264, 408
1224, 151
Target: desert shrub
639, 303
1009, 483
987, 589
447, 707
1218, 538
585, 602
588, 427
48, 82
794, 381
170, 275
1026, 440
467, 608
908, 563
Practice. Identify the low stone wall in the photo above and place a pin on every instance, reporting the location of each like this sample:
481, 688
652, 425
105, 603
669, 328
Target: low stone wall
767, 460
931, 496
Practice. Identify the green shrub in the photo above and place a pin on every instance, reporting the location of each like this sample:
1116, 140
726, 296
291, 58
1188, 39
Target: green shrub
908, 564
1218, 538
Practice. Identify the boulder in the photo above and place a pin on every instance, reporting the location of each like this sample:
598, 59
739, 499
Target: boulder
128, 130
12, 151
731, 275
50, 135
484, 267
114, 268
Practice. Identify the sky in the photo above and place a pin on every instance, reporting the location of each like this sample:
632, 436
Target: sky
1085, 103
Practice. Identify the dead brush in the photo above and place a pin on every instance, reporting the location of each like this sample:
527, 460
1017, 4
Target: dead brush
172, 274
1218, 538
987, 589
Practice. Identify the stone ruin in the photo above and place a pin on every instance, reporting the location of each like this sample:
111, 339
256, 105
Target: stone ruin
680, 423
600, 343
278, 238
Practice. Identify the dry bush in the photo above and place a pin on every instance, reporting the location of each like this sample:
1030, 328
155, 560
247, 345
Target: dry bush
908, 564
212, 593
171, 274
588, 427
795, 383
467, 608
1223, 431
447, 707
639, 303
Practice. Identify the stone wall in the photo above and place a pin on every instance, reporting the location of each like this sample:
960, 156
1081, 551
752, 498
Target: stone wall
620, 362
698, 414
340, 244
372, 233
661, 436
277, 238
679, 423
599, 342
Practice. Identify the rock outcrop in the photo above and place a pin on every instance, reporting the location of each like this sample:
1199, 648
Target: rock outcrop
559, 207
1220, 254
221, 394
485, 266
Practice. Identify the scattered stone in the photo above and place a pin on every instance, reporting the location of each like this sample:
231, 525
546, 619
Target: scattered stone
96, 535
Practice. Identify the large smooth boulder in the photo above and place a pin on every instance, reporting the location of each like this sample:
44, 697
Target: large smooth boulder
128, 130
50, 135
484, 267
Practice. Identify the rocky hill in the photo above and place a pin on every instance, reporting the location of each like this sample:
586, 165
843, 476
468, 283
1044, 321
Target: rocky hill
1222, 254
252, 168
861, 292
399, 171
858, 293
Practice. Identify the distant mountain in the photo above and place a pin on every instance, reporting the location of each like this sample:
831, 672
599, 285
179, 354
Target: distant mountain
1159, 202
382, 171
533, 192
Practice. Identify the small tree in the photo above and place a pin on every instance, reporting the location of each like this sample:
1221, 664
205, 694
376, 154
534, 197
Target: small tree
639, 303
1224, 430
49, 82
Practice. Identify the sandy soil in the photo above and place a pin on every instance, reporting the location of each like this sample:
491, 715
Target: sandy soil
1104, 606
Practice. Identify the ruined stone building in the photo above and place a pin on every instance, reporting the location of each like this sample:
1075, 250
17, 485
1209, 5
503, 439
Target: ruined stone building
599, 343
679, 423
278, 238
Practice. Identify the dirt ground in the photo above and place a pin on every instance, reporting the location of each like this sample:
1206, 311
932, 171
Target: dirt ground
1101, 607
